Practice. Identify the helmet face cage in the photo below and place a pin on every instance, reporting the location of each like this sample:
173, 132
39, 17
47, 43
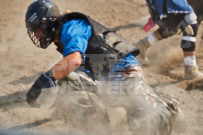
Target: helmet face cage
34, 38
43, 37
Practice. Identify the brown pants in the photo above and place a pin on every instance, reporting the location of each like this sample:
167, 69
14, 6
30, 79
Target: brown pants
147, 113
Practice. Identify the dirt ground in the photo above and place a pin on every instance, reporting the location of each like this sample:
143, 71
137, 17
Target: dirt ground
21, 63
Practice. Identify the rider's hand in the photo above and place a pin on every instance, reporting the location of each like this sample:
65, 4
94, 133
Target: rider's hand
35, 90
32, 96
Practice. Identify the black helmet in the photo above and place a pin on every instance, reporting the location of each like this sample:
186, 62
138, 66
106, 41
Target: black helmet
41, 19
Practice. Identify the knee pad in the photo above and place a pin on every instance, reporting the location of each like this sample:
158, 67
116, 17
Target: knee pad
191, 18
188, 41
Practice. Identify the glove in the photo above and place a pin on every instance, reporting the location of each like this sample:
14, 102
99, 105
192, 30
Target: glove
32, 96
35, 90
150, 24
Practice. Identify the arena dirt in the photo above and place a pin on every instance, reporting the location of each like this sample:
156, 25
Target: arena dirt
21, 63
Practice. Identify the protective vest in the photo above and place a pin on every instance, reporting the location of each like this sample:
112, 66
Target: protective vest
104, 48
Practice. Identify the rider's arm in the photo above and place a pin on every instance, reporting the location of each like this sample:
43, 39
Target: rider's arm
58, 71
74, 36
66, 65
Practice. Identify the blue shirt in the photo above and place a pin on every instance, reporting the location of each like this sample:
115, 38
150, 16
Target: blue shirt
173, 6
75, 35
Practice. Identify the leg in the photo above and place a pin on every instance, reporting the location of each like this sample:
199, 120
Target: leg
77, 101
167, 28
188, 46
146, 112
145, 43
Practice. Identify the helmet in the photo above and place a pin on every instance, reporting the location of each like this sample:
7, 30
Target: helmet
41, 22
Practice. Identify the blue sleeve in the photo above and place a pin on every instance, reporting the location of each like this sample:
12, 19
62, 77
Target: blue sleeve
75, 35
128, 61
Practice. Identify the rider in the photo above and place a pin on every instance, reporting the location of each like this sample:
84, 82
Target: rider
91, 54
172, 15
85, 45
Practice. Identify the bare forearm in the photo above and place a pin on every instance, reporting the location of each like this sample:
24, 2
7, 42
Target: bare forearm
66, 65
